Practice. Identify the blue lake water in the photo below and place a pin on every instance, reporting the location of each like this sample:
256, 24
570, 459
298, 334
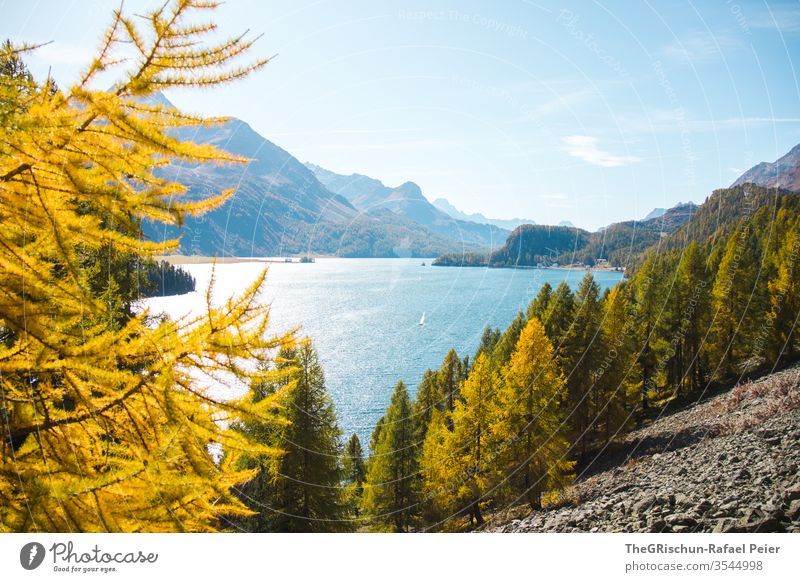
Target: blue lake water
364, 314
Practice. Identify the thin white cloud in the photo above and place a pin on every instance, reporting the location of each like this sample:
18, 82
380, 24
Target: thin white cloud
416, 144
344, 131
699, 47
785, 20
585, 148
676, 120
566, 101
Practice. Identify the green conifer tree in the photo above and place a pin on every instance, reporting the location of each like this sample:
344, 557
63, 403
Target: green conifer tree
538, 307
355, 473
733, 304
784, 291
489, 340
355, 470
580, 359
391, 489
647, 291
505, 345
559, 315
449, 379
618, 377
306, 482
427, 401
694, 289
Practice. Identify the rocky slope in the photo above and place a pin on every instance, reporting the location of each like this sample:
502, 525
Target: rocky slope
728, 464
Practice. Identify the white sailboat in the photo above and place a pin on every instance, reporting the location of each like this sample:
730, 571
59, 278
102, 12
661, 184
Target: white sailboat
422, 319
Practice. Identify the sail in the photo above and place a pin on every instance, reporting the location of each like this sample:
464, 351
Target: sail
422, 320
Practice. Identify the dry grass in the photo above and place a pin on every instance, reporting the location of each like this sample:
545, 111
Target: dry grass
633, 461
567, 497
755, 402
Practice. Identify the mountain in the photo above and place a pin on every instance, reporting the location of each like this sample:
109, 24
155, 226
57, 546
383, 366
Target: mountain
655, 213
620, 243
369, 196
280, 208
507, 223
783, 173
361, 191
719, 214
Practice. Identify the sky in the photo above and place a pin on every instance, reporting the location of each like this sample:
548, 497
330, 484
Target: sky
592, 112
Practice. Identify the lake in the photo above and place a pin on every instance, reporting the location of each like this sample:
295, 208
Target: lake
364, 314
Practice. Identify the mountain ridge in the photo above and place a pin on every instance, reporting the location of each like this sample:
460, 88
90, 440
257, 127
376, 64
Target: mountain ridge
782, 173
279, 207
507, 223
407, 200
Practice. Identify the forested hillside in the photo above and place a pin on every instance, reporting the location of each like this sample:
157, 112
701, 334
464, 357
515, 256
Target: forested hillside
619, 244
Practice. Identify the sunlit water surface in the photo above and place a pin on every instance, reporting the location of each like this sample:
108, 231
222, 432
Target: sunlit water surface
364, 317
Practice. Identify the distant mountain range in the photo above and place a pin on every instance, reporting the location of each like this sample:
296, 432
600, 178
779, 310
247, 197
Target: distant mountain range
782, 173
281, 208
284, 207
507, 223
373, 198
624, 243
655, 213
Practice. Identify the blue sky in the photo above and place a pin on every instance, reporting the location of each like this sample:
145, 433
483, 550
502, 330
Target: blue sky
588, 112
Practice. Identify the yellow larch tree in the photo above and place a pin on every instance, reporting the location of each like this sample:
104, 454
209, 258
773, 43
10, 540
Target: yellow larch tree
472, 443
105, 425
530, 432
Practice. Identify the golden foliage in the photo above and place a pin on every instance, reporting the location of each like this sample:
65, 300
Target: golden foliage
531, 422
106, 426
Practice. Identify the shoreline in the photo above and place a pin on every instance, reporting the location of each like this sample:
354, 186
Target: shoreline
204, 259
532, 267
201, 260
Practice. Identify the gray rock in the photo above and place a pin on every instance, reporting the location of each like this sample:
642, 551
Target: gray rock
680, 519
724, 525
766, 525
792, 493
645, 504
793, 512
703, 507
